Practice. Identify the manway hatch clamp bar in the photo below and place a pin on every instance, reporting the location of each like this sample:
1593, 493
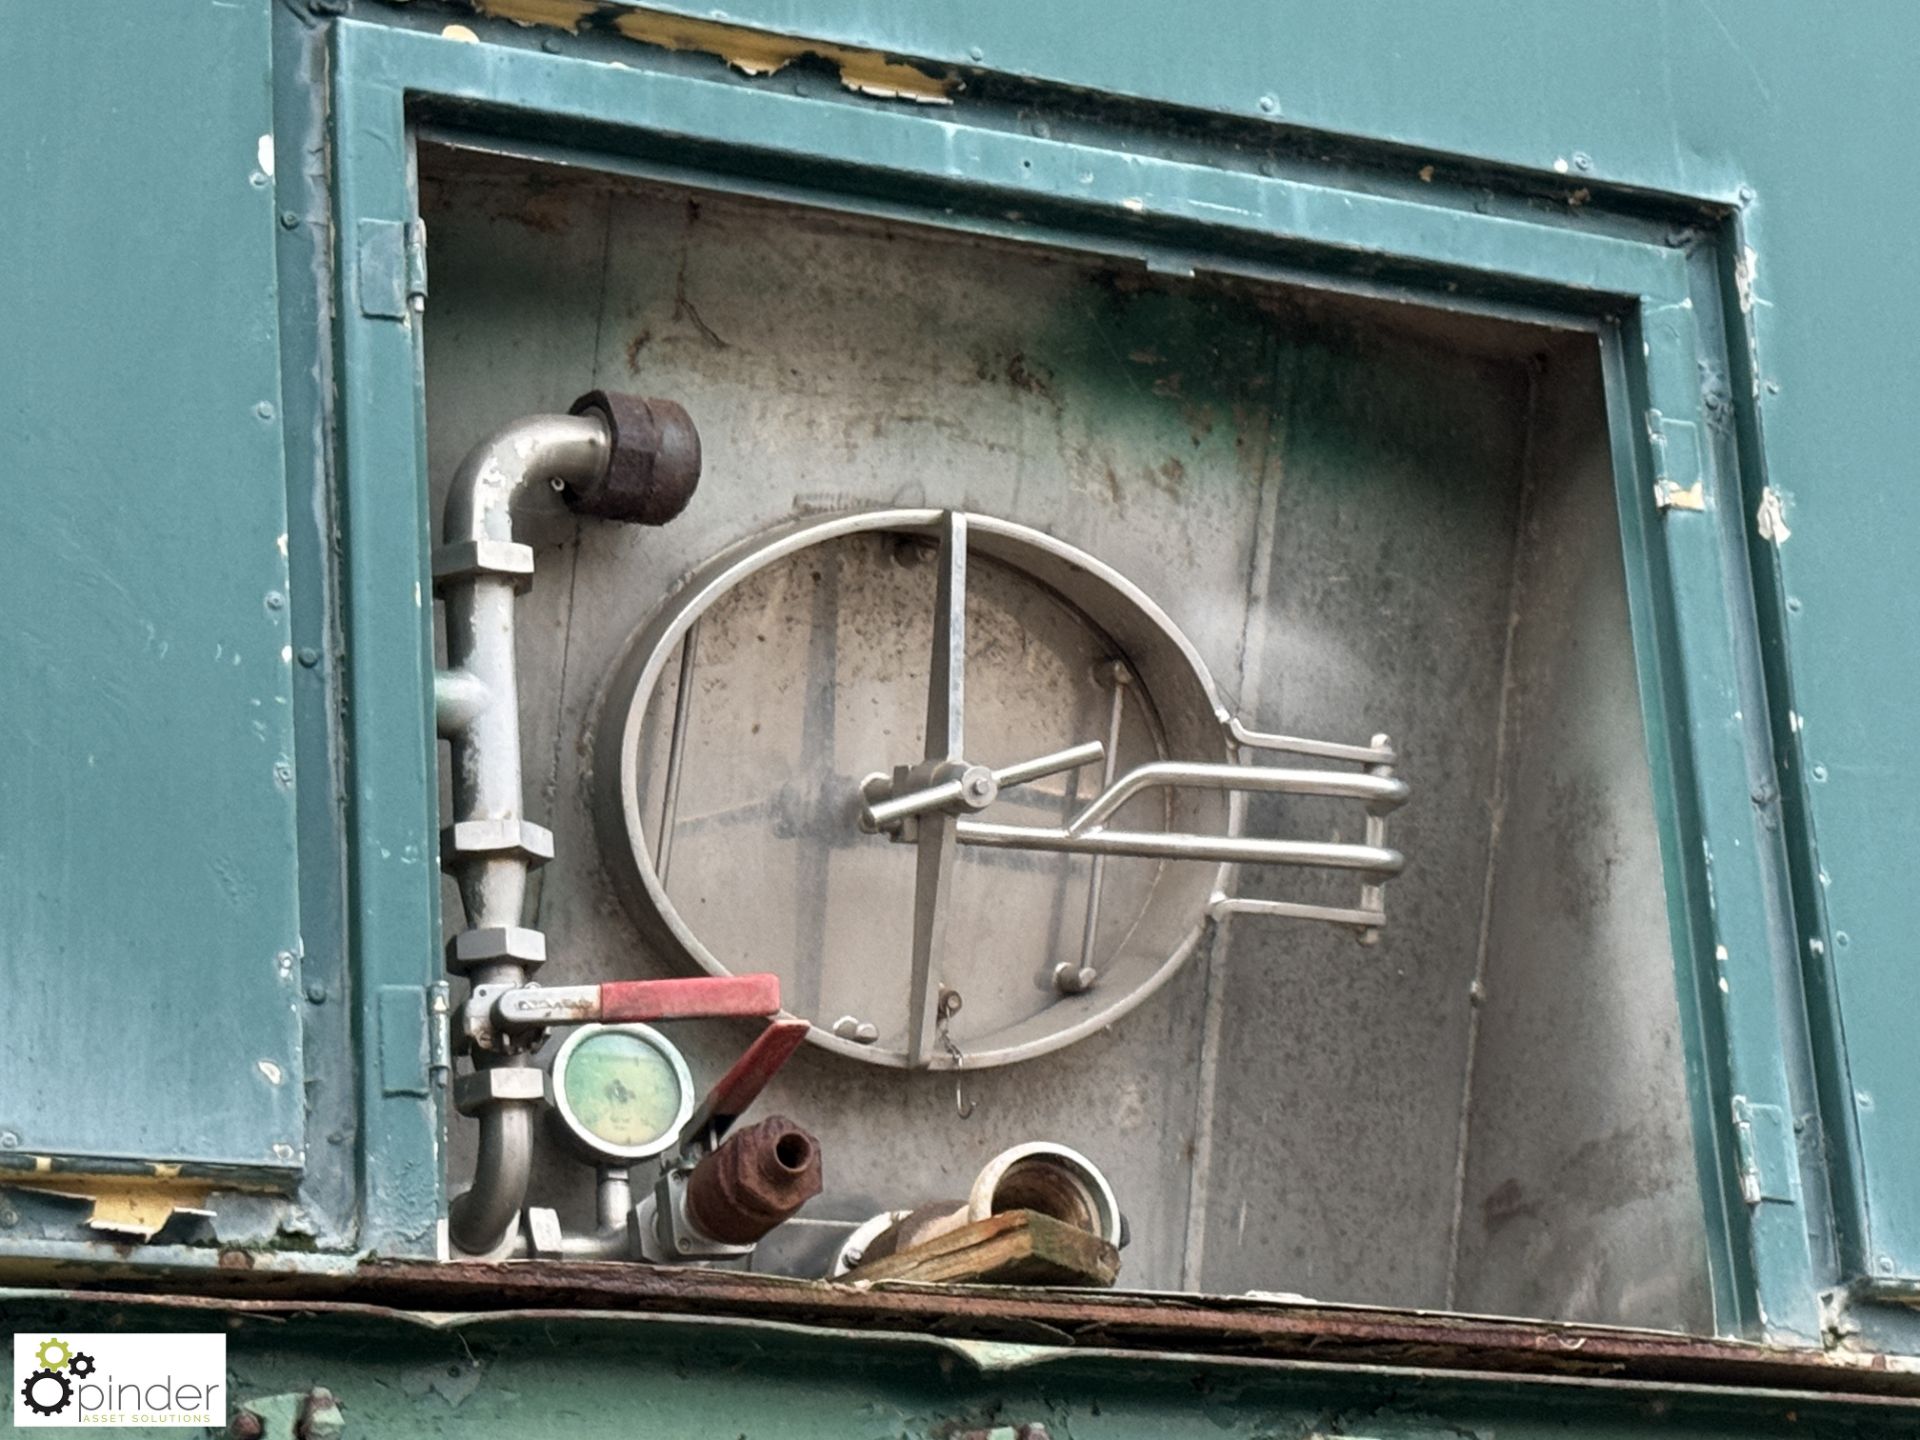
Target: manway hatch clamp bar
932, 806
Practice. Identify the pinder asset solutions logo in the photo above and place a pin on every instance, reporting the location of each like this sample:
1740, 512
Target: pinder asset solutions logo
116, 1378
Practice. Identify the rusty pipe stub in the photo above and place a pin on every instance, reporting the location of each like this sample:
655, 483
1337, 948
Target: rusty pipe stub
757, 1178
653, 460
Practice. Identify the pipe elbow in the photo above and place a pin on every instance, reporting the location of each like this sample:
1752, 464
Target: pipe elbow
480, 1219
570, 448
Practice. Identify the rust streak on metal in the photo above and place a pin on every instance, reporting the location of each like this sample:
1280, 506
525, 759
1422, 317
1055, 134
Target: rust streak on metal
1191, 1325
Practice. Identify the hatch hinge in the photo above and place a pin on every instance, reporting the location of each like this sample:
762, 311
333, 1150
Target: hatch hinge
416, 1052
391, 264
439, 1038
1769, 1163
1678, 482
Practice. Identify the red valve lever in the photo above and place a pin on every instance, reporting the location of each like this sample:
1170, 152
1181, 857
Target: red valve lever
740, 1086
692, 998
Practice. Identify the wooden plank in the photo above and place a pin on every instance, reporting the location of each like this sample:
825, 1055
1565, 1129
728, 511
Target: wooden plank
1020, 1247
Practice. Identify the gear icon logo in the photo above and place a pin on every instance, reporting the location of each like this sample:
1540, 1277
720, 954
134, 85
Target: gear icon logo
47, 1392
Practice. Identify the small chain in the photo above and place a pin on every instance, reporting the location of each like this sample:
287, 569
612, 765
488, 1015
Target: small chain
948, 1007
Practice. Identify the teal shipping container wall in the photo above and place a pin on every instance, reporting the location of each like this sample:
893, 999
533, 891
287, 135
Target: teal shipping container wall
1639, 273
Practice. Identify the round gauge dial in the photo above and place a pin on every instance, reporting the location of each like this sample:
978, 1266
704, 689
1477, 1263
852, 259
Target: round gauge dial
622, 1092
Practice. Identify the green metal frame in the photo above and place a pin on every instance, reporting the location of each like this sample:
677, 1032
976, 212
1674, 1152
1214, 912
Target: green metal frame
1644, 273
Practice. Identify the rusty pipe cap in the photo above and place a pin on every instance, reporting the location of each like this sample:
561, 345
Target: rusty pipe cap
754, 1180
653, 460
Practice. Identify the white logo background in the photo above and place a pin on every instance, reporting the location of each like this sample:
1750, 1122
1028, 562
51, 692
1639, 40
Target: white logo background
115, 1378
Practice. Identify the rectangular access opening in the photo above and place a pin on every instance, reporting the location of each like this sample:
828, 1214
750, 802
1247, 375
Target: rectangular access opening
1365, 516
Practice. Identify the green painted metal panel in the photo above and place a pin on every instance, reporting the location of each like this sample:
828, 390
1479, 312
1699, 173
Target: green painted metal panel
147, 881
147, 906
393, 822
1115, 192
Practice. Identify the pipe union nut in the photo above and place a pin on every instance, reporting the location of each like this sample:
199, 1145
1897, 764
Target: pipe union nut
508, 839
653, 460
545, 1240
498, 1085
496, 945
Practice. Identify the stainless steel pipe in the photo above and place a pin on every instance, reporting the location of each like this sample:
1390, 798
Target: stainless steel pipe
624, 458
478, 707
1041, 1176
1165, 845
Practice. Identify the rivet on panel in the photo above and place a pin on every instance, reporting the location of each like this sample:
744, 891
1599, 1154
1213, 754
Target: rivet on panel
977, 53
9, 1140
1820, 774
275, 600
309, 656
264, 410
1268, 104
289, 220
1842, 939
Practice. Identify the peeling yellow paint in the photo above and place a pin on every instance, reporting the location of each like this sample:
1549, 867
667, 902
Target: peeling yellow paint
127, 1204
756, 52
561, 14
753, 52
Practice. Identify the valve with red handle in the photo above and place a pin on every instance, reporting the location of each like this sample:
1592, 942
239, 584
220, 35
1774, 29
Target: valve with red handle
715, 1196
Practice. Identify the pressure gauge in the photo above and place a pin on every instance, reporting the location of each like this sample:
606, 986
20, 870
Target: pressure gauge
621, 1092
